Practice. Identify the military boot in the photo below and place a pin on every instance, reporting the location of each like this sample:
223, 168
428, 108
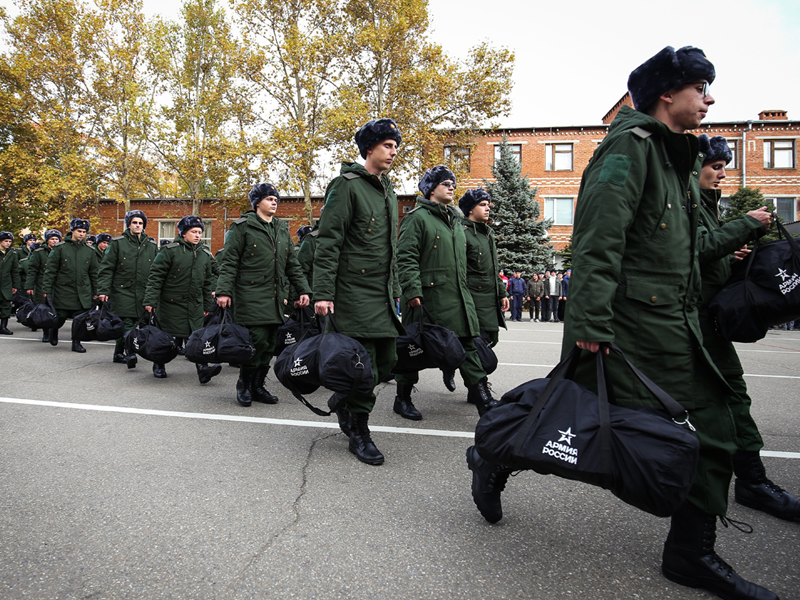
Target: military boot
53, 336
361, 443
257, 390
488, 482
119, 353
45, 335
403, 405
181, 345
753, 489
449, 379
336, 403
481, 396
243, 395
159, 371
689, 558
205, 372
4, 330
76, 347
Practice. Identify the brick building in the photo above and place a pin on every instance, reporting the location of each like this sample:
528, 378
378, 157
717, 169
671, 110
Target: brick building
553, 158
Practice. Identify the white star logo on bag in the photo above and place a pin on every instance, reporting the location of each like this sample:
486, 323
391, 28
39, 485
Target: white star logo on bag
782, 274
297, 362
566, 436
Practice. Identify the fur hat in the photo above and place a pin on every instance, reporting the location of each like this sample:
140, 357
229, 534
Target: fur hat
35, 246
303, 231
163, 243
715, 148
472, 198
135, 213
667, 70
190, 222
52, 233
29, 236
376, 131
103, 237
77, 223
6, 235
433, 177
91, 238
261, 191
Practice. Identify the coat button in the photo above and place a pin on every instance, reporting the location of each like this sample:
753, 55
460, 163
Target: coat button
362, 270
694, 205
653, 299
434, 246
694, 172
669, 205
663, 226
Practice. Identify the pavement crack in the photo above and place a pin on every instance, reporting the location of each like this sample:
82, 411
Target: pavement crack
294, 521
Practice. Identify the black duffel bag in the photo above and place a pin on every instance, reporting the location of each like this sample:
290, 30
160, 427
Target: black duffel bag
486, 355
762, 292
331, 360
43, 316
97, 324
19, 299
23, 312
645, 457
428, 346
293, 329
150, 342
221, 340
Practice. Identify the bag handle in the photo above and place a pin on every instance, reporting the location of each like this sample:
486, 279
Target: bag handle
783, 233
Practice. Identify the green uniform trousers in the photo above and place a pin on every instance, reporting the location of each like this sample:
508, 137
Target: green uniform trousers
263, 337
471, 369
383, 356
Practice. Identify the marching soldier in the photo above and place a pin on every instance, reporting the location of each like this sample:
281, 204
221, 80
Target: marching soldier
9, 279
37, 262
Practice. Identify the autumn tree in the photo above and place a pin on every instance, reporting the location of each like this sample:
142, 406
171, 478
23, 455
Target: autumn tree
521, 237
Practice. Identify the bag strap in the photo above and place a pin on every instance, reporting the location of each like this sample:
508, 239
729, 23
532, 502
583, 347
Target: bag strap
782, 232
604, 414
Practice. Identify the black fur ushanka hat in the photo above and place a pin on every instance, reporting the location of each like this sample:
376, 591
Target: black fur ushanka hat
666, 70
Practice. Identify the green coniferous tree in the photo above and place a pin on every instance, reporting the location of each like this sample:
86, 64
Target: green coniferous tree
743, 201
521, 237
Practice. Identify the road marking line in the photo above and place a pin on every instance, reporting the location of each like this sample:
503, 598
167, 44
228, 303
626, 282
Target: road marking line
262, 420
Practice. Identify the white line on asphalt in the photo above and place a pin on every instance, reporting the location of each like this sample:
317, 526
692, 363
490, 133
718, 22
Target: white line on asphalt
746, 374
313, 424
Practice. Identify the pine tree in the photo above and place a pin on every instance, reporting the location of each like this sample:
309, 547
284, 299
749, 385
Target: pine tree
743, 201
521, 236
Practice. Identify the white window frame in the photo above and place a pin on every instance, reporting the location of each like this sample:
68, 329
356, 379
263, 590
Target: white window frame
776, 200
553, 150
456, 156
734, 162
787, 149
516, 151
551, 212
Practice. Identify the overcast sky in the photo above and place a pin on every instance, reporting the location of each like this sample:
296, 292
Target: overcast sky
574, 57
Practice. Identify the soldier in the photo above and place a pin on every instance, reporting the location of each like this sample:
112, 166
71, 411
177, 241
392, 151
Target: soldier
432, 266
9, 279
259, 257
37, 262
637, 283
103, 241
354, 270
70, 278
179, 288
123, 276
25, 250
752, 487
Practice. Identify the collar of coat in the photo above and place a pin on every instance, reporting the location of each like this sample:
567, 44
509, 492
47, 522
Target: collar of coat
477, 227
443, 211
711, 199
382, 183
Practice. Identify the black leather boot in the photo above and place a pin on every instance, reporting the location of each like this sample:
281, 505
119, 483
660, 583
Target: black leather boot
361, 443
243, 395
689, 558
488, 482
180, 343
336, 403
4, 330
481, 396
45, 335
54, 336
754, 490
119, 353
257, 390
205, 372
131, 360
403, 405
159, 371
449, 379
76, 347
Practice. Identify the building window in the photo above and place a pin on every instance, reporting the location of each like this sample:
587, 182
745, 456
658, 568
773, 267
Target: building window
458, 157
779, 154
785, 207
558, 157
559, 210
167, 230
734, 162
516, 152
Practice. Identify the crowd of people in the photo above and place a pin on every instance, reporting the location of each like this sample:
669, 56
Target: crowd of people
649, 254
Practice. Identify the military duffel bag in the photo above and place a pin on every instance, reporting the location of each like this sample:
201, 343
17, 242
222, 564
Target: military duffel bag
23, 312
97, 324
292, 330
43, 316
221, 340
150, 342
428, 346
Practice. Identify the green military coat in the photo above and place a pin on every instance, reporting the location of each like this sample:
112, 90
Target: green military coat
432, 265
305, 256
124, 271
487, 289
9, 280
355, 259
37, 262
23, 252
180, 285
71, 275
258, 264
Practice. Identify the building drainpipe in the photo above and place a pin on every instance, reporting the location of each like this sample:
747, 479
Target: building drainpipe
744, 153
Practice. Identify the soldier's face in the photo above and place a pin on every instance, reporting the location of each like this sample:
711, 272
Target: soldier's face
5, 244
52, 241
712, 174
267, 207
78, 234
193, 235
102, 246
137, 225
481, 212
381, 155
29, 242
443, 193
689, 105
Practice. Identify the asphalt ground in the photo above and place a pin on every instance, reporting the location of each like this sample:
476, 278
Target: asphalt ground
116, 485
